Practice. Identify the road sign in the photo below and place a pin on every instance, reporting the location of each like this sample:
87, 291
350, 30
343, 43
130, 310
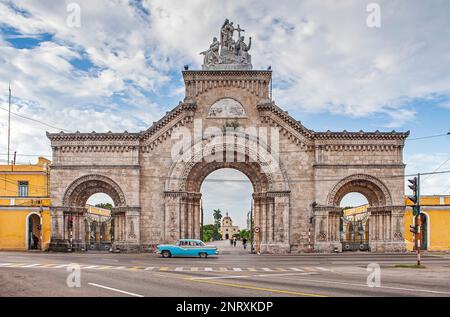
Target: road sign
257, 229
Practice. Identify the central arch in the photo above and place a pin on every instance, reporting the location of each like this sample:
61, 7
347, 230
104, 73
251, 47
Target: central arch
271, 198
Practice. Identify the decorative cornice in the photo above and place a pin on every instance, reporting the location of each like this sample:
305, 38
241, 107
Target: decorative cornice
93, 166
254, 81
364, 166
93, 136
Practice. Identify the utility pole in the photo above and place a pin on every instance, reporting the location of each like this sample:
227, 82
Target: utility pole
9, 121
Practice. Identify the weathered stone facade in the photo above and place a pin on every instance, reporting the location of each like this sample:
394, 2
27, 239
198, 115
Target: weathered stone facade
157, 195
228, 120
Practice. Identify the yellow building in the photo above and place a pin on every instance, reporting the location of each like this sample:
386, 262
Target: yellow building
435, 222
227, 230
435, 226
24, 206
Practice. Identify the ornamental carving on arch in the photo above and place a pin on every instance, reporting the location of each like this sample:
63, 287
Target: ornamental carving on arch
379, 192
113, 189
180, 170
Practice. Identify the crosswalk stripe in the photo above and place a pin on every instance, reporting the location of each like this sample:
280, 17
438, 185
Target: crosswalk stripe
322, 268
251, 269
164, 268
90, 267
5, 264
237, 269
194, 269
149, 268
178, 269
266, 269
58, 266
296, 269
48, 266
223, 269
280, 269
105, 267
119, 267
309, 269
208, 269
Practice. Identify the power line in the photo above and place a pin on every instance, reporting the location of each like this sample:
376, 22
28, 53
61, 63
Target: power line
428, 137
448, 159
37, 121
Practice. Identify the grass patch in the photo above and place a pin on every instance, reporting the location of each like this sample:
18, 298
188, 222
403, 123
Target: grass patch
410, 266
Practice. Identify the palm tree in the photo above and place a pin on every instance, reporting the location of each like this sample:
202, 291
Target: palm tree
217, 214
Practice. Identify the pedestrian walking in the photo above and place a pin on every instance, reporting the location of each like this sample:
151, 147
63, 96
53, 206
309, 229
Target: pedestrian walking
234, 241
244, 243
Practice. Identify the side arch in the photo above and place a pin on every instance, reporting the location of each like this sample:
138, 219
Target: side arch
371, 187
82, 188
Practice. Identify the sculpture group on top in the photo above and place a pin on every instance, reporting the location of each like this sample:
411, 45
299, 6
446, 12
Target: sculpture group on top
228, 53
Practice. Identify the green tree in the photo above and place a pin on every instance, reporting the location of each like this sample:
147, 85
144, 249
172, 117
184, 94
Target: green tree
217, 215
208, 232
245, 234
105, 206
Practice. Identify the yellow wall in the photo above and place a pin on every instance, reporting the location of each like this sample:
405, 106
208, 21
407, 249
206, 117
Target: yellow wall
14, 210
438, 211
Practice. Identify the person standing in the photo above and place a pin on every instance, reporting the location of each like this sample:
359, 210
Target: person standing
244, 243
234, 241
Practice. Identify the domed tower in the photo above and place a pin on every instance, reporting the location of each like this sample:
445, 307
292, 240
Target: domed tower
227, 230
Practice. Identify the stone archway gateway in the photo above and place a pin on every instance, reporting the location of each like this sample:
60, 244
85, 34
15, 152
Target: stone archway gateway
228, 120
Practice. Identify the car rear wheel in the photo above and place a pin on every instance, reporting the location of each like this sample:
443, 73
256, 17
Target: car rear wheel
203, 255
166, 254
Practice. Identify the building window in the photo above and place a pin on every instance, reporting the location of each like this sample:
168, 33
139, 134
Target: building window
23, 189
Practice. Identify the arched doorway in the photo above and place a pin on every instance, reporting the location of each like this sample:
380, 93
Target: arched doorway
227, 193
355, 222
381, 225
271, 195
87, 226
34, 232
99, 222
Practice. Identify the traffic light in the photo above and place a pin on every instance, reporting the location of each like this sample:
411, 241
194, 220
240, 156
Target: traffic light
414, 184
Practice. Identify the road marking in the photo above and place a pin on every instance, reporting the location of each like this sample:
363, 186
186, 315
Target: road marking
194, 269
296, 269
374, 288
267, 269
89, 267
248, 276
237, 269
280, 269
149, 268
105, 267
251, 269
5, 264
119, 268
115, 290
48, 266
263, 289
164, 268
209, 269
223, 269
178, 269
58, 266
322, 269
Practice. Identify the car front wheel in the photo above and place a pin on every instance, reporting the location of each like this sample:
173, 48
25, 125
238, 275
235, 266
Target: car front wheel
166, 254
203, 255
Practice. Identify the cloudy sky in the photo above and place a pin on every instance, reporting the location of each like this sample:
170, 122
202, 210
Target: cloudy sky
120, 70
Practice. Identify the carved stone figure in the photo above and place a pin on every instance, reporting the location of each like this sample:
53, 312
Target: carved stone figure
228, 53
226, 34
211, 56
242, 50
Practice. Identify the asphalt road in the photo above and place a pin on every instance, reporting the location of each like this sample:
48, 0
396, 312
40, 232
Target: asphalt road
233, 273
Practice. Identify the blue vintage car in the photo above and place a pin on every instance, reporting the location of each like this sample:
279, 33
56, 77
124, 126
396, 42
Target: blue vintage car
186, 247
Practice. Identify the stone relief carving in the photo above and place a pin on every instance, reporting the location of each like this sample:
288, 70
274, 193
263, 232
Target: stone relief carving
233, 55
226, 108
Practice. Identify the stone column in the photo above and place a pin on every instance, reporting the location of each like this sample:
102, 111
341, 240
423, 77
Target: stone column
278, 204
57, 243
197, 211
326, 228
172, 216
